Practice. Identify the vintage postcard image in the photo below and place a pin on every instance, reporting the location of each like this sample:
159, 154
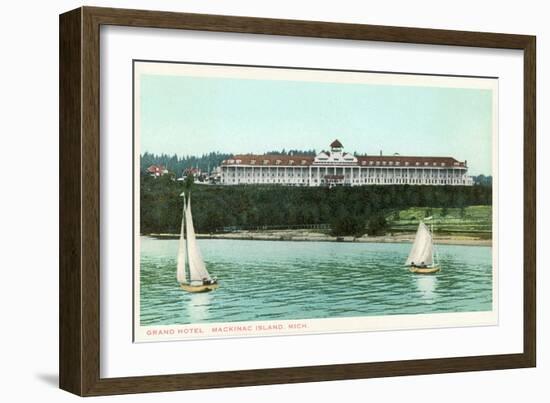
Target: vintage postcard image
278, 201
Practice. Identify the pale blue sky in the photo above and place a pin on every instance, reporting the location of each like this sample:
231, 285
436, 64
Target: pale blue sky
192, 115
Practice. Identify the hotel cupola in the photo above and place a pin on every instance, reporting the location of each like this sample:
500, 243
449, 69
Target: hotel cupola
336, 146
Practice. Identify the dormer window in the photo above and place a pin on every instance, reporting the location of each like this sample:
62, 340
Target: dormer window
363, 162
425, 164
266, 162
231, 161
383, 162
377, 162
291, 162
370, 163
239, 161
304, 162
391, 162
417, 164
442, 164
407, 163
397, 163
278, 162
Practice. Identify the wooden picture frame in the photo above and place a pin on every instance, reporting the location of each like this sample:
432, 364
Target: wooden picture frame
79, 279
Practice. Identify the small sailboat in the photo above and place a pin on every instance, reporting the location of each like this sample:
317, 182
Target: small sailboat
193, 276
421, 259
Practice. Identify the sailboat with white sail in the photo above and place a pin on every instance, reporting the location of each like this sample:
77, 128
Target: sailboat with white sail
422, 257
191, 271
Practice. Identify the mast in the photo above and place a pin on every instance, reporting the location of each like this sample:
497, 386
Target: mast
432, 230
182, 249
435, 256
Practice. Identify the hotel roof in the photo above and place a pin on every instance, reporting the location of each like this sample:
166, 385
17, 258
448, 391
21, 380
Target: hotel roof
270, 159
377, 160
409, 160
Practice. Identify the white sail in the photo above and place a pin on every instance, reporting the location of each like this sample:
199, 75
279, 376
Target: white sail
180, 272
197, 269
422, 249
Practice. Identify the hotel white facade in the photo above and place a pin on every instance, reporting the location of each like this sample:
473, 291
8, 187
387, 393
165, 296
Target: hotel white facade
338, 168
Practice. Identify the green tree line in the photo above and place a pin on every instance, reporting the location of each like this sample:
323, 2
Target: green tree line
177, 164
349, 210
205, 162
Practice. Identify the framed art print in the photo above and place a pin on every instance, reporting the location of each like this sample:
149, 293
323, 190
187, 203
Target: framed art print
293, 201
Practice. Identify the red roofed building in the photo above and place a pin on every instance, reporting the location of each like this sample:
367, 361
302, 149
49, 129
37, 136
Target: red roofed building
157, 170
336, 167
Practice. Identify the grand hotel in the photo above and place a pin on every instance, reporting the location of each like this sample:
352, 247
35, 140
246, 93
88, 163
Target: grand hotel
336, 167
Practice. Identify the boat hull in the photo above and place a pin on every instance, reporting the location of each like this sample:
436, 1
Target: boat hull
424, 270
199, 288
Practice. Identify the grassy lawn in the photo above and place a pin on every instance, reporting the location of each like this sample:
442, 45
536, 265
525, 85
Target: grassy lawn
472, 219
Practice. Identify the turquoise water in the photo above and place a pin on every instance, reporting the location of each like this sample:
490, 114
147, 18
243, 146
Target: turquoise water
265, 280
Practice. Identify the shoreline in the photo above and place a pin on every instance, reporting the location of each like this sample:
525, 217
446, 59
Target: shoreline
305, 236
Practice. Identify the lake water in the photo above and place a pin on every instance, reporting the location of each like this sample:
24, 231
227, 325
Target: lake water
266, 280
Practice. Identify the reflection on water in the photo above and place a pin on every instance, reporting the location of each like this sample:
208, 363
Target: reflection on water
426, 286
198, 307
263, 280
